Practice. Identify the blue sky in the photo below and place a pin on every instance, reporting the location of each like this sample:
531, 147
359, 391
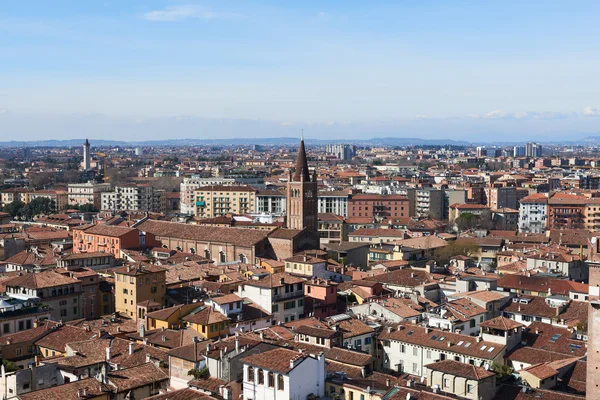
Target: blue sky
440, 69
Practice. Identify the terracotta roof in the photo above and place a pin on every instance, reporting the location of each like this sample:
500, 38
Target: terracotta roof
205, 315
449, 341
458, 368
38, 280
105, 230
276, 360
239, 237
181, 394
274, 280
501, 323
134, 377
68, 391
402, 277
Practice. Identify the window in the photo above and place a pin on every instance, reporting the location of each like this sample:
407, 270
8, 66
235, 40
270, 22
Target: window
63, 313
18, 351
250, 374
368, 340
447, 383
415, 351
280, 383
261, 377
271, 379
21, 325
429, 354
469, 388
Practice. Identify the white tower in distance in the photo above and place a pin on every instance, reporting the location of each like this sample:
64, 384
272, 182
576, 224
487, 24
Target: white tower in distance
86, 155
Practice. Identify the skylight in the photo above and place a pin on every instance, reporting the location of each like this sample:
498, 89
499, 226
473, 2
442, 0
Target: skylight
483, 347
460, 343
434, 337
491, 349
410, 333
554, 338
467, 344
442, 338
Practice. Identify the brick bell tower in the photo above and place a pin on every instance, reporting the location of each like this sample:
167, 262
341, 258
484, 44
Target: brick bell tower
302, 206
593, 328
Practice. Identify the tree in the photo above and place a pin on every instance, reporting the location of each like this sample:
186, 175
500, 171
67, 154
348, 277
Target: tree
13, 208
503, 371
38, 206
455, 248
83, 207
466, 221
41, 179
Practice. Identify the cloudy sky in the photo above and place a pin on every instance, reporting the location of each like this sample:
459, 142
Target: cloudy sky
474, 70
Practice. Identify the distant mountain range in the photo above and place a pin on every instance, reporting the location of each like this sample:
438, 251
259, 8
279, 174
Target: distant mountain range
385, 141
277, 141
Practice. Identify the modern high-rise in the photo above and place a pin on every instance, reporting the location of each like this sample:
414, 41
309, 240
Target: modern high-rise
533, 150
302, 211
519, 151
342, 151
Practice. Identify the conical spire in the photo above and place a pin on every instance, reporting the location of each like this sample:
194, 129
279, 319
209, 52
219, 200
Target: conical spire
301, 164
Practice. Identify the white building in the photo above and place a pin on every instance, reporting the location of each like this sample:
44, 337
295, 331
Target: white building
333, 202
86, 193
134, 198
282, 374
281, 295
533, 213
409, 348
245, 316
189, 185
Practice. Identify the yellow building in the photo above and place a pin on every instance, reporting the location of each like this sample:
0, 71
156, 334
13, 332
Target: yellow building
15, 194
215, 201
170, 318
208, 322
137, 283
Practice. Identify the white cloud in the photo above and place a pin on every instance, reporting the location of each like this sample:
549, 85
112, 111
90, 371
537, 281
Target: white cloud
182, 12
589, 111
496, 114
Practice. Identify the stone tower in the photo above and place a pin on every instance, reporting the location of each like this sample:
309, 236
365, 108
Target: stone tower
86, 155
302, 203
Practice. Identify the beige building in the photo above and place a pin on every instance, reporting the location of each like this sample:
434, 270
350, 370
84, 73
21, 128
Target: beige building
215, 201
87, 193
137, 283
15, 194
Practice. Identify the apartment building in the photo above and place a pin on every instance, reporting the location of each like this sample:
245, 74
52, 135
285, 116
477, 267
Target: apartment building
501, 197
378, 206
135, 284
62, 293
333, 202
566, 211
80, 194
270, 202
110, 239
215, 201
190, 185
410, 348
429, 203
332, 228
14, 194
134, 198
281, 295
533, 213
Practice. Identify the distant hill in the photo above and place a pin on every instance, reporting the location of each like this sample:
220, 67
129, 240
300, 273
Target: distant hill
385, 141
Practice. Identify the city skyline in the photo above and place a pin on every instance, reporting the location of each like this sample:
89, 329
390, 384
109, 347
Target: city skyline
257, 69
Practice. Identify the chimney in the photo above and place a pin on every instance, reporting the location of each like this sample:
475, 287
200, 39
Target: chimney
412, 274
282, 281
237, 343
427, 330
142, 330
118, 329
363, 372
479, 339
261, 334
148, 358
130, 348
108, 353
85, 393
164, 338
387, 382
